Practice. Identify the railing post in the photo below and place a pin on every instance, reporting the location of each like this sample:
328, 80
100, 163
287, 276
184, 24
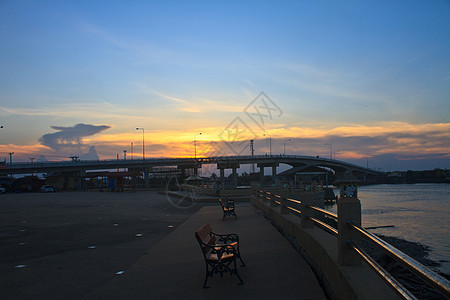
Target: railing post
307, 212
283, 208
264, 195
349, 210
272, 199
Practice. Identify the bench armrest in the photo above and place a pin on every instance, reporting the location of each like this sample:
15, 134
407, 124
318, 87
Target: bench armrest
232, 237
221, 250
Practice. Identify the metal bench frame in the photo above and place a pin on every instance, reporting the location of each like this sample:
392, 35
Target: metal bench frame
227, 208
220, 252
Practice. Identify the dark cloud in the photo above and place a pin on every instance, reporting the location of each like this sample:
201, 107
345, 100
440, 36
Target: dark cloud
70, 137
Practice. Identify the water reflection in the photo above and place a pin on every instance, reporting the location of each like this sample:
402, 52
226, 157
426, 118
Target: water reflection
419, 213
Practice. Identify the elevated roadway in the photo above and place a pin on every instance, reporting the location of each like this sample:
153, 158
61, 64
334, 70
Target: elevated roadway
222, 162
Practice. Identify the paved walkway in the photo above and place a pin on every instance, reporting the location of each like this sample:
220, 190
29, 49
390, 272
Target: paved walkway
174, 268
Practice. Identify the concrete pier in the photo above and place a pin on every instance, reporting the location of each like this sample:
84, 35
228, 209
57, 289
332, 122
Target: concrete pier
174, 268
137, 246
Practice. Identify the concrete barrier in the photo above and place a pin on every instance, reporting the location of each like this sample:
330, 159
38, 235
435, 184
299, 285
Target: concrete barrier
321, 250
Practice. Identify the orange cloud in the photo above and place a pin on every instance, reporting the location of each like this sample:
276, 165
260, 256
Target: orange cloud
357, 141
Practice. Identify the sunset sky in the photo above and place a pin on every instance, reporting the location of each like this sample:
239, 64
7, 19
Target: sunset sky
367, 81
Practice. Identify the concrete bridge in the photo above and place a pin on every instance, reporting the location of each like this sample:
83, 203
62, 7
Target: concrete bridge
365, 175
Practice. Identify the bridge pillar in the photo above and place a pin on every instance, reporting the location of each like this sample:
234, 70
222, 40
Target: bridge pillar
72, 180
146, 178
222, 178
228, 165
261, 175
274, 172
273, 165
184, 167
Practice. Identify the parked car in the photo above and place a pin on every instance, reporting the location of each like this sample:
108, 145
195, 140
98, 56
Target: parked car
2, 190
47, 189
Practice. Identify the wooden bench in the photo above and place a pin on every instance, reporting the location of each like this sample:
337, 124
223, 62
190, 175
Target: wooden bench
227, 208
220, 252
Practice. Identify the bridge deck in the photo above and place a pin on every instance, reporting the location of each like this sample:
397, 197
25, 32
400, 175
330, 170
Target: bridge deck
174, 268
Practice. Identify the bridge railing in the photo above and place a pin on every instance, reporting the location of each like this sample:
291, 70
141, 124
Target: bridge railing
174, 160
349, 233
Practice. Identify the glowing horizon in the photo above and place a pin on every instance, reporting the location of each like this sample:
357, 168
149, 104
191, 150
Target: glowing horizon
374, 90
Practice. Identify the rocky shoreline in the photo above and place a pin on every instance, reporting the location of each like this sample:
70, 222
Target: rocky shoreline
416, 251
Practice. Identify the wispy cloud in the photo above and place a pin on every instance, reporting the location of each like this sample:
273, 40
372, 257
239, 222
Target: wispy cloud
197, 104
146, 89
71, 109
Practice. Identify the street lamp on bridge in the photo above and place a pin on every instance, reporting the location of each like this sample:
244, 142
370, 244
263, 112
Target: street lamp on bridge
195, 144
331, 150
284, 147
270, 144
143, 142
132, 151
337, 151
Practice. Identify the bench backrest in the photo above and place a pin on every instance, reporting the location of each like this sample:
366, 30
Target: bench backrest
203, 235
227, 202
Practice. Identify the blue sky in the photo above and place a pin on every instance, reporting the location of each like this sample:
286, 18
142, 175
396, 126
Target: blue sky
372, 78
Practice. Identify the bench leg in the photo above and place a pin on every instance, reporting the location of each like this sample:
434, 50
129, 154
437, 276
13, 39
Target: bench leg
237, 274
221, 269
206, 278
242, 262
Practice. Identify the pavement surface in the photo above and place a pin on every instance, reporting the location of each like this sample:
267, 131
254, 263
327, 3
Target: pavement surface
90, 245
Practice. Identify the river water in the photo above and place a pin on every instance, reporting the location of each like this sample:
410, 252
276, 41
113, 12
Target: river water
419, 213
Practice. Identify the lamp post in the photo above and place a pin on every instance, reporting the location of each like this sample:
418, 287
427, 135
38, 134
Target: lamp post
270, 144
143, 142
337, 151
284, 147
195, 144
331, 150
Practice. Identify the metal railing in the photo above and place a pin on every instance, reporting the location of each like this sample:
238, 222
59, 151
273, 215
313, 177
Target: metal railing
308, 213
179, 160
